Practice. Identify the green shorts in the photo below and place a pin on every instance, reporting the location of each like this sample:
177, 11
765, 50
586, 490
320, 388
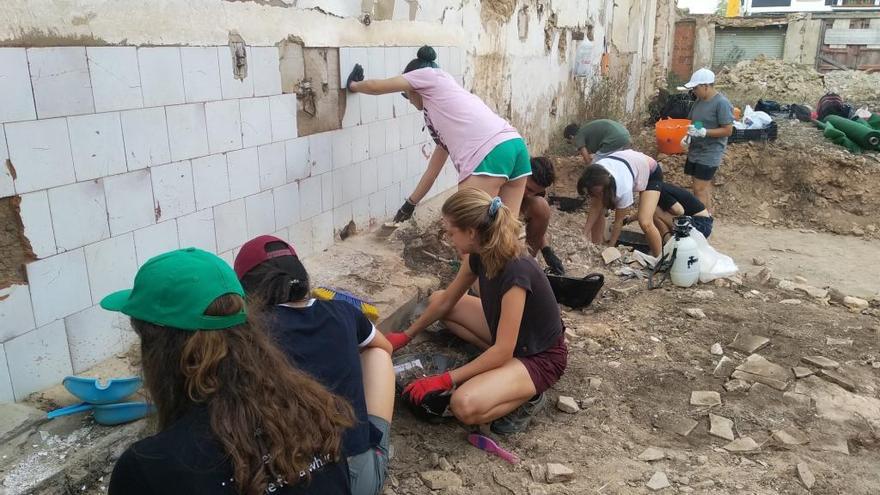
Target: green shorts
509, 159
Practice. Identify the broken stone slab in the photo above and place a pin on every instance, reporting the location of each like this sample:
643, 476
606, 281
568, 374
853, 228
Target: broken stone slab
790, 436
705, 398
676, 424
792, 302
821, 361
721, 427
737, 386
806, 475
838, 379
742, 444
855, 303
777, 384
704, 294
796, 399
835, 341
658, 482
557, 473
724, 367
758, 261
716, 349
811, 291
760, 388
652, 454
801, 372
749, 343
440, 480
695, 313
758, 369
610, 254
567, 404
831, 444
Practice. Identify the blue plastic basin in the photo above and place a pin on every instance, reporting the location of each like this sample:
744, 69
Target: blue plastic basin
124, 412
91, 390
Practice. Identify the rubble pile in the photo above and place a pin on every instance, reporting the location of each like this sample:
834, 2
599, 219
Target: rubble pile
773, 79
857, 87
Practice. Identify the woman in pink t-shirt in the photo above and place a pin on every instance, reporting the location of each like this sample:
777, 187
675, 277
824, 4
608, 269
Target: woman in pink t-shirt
487, 151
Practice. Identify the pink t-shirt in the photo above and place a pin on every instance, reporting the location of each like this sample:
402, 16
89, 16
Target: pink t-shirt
628, 183
458, 120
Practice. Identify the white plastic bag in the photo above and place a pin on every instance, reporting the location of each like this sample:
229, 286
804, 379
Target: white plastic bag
755, 120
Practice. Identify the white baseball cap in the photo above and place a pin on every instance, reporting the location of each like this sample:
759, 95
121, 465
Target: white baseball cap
701, 76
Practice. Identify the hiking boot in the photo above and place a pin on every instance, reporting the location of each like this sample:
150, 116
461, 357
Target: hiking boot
518, 419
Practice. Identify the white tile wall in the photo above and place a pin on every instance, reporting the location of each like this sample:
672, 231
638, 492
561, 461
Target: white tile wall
341, 216
310, 197
40, 153
346, 184
161, 76
327, 192
321, 153
341, 148
301, 238
6, 394
60, 79
369, 108
377, 143
16, 95
173, 190
201, 74
322, 231
407, 130
96, 145
296, 155
157, 239
16, 312
260, 210
348, 57
112, 264
263, 67
146, 138
244, 172
230, 223
385, 168
392, 135
116, 79
59, 286
96, 334
38, 359
256, 123
352, 115
224, 125
7, 188
37, 221
369, 177
360, 143
210, 180
230, 86
286, 204
377, 205
197, 230
187, 131
129, 201
385, 106
282, 113
273, 169
79, 214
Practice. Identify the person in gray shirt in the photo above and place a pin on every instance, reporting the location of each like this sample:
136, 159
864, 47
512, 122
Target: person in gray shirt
711, 123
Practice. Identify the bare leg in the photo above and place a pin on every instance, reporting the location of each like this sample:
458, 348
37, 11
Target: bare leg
511, 192
537, 215
378, 375
467, 321
703, 192
491, 395
598, 232
647, 206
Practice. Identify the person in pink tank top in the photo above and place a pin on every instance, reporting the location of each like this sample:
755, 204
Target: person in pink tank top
488, 153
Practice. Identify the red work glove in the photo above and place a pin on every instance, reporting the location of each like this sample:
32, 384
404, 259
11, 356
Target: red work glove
418, 389
398, 340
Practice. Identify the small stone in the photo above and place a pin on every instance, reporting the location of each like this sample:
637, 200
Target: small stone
595, 383
439, 480
855, 303
821, 361
695, 313
806, 475
801, 372
764, 276
538, 472
610, 254
702, 459
858, 231
749, 343
592, 346
570, 335
445, 465
790, 436
685, 489
716, 349
720, 283
704, 294
811, 291
742, 444
837, 378
557, 473
799, 279
758, 261
587, 402
652, 454
705, 398
567, 404
737, 386
792, 302
735, 280
721, 427
835, 341
705, 484
658, 482
724, 368
797, 400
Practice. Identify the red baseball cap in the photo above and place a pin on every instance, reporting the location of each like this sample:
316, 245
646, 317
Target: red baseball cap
253, 252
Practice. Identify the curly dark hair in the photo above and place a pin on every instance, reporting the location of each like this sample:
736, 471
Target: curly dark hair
543, 172
570, 131
597, 175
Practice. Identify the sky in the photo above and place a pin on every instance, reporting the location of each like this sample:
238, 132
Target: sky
699, 6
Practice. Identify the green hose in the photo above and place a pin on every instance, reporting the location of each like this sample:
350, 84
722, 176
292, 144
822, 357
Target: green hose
859, 132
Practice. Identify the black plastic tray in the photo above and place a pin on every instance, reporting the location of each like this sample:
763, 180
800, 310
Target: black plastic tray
576, 292
768, 133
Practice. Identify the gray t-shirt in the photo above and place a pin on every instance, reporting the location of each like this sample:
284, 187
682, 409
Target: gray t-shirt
713, 113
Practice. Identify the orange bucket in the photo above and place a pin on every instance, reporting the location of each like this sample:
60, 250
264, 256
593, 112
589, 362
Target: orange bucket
669, 134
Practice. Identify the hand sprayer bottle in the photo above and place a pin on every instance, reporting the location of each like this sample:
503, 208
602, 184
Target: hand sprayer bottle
685, 270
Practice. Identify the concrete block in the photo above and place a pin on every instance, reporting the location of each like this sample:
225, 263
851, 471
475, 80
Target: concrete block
342, 148
224, 125
377, 205
154, 240
37, 221
244, 172
286, 205
392, 135
321, 153
197, 230
406, 129
369, 177
60, 80
326, 192
59, 286
210, 181
201, 73
112, 264
360, 143
161, 76
263, 66
96, 334
310, 203
282, 114
273, 169
116, 79
301, 238
322, 231
16, 312
260, 209
129, 201
6, 394
146, 138
230, 224
377, 139
40, 152
256, 124
705, 398
96, 145
229, 85
749, 343
187, 131
79, 214
38, 359
296, 156
369, 108
16, 94
173, 190
352, 115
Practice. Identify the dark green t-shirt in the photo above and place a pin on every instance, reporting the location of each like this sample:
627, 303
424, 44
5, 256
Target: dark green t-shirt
602, 136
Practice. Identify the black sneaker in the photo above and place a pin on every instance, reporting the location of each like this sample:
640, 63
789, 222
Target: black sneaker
518, 419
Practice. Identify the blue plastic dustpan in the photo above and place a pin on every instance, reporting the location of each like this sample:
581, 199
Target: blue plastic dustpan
124, 412
91, 390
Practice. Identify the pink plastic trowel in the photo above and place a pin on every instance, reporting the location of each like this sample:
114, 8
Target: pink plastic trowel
486, 444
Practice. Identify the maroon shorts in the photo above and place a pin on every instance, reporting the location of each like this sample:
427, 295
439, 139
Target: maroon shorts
545, 368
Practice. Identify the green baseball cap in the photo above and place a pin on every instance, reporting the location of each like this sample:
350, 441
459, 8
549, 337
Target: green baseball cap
174, 290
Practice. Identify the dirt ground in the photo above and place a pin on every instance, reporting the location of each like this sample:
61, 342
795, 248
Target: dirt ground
799, 206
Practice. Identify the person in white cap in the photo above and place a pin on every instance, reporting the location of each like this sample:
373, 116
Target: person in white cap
711, 123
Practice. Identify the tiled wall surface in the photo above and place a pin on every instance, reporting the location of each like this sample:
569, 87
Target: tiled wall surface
121, 153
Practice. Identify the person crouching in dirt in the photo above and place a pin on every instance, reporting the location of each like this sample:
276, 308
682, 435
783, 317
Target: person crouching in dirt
516, 321
711, 123
598, 138
536, 211
675, 202
610, 184
332, 341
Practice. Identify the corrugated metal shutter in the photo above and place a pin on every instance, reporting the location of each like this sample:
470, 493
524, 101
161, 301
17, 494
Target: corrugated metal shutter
735, 44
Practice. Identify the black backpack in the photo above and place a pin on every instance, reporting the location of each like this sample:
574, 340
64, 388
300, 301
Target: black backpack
832, 104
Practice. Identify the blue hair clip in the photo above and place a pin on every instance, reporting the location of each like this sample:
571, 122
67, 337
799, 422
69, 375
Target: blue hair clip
494, 206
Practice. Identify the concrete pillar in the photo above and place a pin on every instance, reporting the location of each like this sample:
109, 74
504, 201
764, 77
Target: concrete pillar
704, 43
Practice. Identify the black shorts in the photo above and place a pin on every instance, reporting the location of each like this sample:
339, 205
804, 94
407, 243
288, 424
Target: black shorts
655, 180
703, 224
698, 171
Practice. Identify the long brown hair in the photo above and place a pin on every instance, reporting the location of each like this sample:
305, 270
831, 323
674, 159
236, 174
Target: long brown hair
259, 405
498, 234
597, 175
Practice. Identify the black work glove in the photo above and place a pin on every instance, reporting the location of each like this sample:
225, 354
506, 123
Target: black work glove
554, 264
357, 75
405, 212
